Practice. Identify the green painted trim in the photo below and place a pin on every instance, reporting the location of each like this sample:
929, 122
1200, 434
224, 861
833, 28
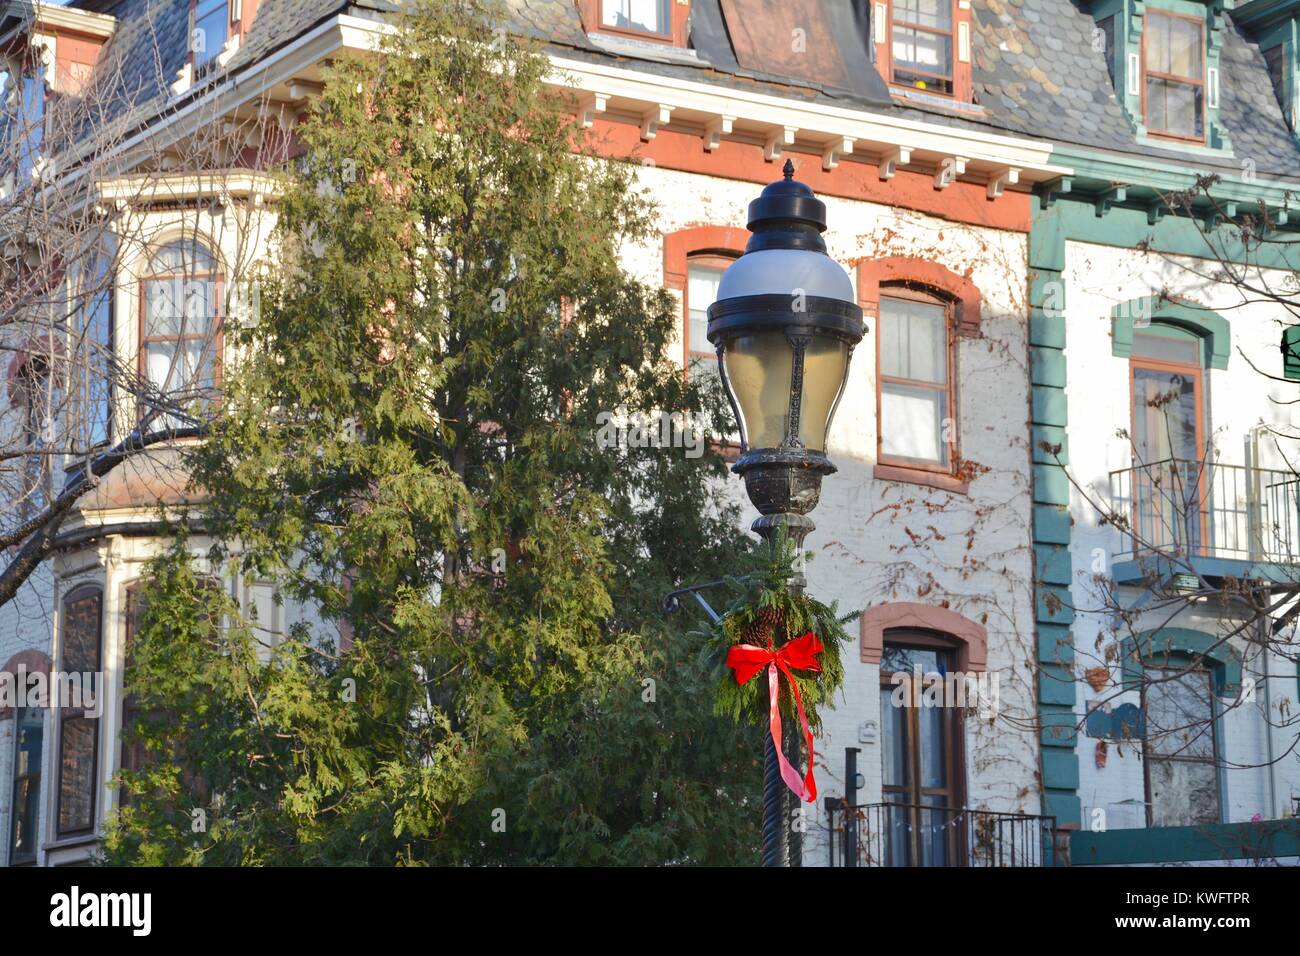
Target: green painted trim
1268, 839
1181, 645
1056, 685
1092, 169
1051, 524
1046, 438
1073, 219
1060, 769
1059, 728
1052, 563
1062, 805
1214, 331
1291, 352
1051, 521
1055, 645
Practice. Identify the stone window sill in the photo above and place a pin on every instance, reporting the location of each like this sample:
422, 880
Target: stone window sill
919, 476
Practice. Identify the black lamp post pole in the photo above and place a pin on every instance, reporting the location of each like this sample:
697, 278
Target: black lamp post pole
762, 311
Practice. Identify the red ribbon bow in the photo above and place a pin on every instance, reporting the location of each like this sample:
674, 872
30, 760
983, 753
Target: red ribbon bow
746, 660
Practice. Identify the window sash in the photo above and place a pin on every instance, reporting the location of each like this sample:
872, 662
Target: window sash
893, 391
1164, 809
25, 812
653, 17
1173, 96
78, 733
212, 22
907, 29
181, 308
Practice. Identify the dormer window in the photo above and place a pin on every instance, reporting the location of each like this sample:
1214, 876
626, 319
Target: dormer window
1173, 75
922, 48
211, 29
653, 21
637, 16
921, 44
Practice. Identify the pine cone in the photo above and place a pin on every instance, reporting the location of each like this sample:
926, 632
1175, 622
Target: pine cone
767, 623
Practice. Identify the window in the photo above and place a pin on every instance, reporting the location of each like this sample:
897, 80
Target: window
34, 395
1181, 754
95, 345
29, 733
78, 728
24, 120
914, 413
921, 44
180, 338
703, 275
920, 753
1173, 51
638, 16
211, 28
1170, 493
134, 757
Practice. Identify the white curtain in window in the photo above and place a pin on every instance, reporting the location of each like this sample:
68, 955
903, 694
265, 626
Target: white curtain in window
648, 15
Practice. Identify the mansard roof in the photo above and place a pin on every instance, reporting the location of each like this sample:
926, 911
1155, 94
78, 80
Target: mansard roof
1035, 70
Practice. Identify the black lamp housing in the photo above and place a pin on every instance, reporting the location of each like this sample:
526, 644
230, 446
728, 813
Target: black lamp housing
784, 355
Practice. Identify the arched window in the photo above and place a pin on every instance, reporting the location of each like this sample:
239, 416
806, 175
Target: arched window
921, 749
916, 390
79, 654
180, 336
1180, 747
694, 260
703, 275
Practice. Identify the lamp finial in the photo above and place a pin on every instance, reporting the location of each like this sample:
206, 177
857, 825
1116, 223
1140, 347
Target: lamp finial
788, 169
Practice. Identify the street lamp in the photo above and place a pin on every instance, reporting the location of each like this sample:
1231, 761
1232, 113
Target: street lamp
785, 324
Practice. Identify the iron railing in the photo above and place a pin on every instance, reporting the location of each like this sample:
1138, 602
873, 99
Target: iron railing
1208, 509
903, 834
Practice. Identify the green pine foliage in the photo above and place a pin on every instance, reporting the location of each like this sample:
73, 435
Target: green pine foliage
767, 612
408, 445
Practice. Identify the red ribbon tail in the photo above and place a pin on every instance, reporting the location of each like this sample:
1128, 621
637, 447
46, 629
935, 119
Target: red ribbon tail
805, 789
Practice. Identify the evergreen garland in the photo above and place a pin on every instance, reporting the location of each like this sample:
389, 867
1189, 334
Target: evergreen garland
769, 613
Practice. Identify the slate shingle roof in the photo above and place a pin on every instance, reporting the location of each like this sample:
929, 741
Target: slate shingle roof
1034, 68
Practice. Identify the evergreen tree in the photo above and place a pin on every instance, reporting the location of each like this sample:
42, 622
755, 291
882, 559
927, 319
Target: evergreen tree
409, 444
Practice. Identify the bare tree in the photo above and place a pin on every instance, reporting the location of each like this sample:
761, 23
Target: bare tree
96, 168
1174, 508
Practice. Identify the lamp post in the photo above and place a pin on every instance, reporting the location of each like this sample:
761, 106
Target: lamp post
785, 323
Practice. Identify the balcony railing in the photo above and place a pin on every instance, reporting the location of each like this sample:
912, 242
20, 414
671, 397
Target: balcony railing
902, 834
1210, 510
